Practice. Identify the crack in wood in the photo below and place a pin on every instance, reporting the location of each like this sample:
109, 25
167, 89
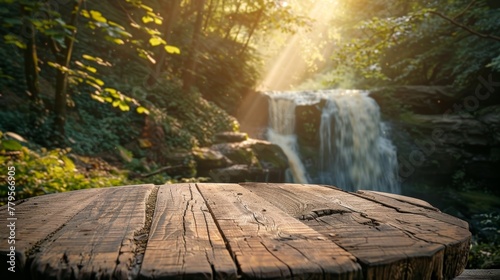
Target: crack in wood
214, 231
221, 232
373, 198
139, 241
316, 213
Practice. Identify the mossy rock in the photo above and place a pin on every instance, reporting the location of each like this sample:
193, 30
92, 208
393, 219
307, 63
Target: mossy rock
230, 137
269, 155
207, 159
238, 153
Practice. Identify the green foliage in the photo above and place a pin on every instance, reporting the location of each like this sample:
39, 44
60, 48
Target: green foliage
414, 44
187, 119
93, 128
47, 171
485, 249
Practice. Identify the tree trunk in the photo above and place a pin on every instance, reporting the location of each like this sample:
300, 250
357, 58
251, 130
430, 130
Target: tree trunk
31, 74
228, 32
62, 81
173, 9
252, 30
211, 10
190, 68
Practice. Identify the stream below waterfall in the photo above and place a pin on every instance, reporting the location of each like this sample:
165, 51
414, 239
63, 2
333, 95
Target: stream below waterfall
333, 137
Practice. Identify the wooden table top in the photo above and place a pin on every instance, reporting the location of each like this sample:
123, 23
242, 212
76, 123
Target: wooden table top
230, 231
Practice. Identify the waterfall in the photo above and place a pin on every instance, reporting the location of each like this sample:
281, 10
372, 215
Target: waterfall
354, 151
282, 133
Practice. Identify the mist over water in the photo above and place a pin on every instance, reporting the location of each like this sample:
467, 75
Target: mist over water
354, 151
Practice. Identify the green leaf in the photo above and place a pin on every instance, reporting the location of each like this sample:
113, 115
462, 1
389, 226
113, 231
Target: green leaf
85, 13
88, 57
97, 16
114, 93
118, 41
11, 145
142, 110
13, 39
155, 41
147, 19
97, 97
172, 49
124, 106
98, 81
147, 8
91, 69
68, 164
94, 85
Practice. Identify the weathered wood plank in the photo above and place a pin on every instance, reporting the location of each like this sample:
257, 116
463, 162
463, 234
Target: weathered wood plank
390, 243
38, 217
268, 243
184, 239
441, 228
230, 231
407, 199
97, 242
404, 205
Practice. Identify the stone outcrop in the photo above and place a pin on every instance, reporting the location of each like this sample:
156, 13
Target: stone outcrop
438, 134
418, 99
239, 161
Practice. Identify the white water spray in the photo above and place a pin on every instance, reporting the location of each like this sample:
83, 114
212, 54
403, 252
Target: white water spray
354, 151
282, 133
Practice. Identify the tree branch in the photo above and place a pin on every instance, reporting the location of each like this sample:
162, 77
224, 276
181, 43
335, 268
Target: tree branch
465, 10
466, 28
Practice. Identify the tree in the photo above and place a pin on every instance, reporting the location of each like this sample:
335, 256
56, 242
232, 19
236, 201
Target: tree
190, 66
421, 42
60, 32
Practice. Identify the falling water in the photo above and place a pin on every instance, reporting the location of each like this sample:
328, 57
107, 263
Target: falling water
354, 151
282, 133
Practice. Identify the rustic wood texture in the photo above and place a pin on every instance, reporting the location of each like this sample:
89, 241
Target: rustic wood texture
268, 243
230, 231
39, 217
90, 235
392, 239
184, 239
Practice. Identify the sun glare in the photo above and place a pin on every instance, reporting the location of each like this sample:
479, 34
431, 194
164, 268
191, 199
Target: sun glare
285, 69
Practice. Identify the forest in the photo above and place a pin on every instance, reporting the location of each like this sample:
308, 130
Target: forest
109, 93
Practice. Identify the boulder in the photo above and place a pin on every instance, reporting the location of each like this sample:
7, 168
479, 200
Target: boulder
255, 153
207, 159
244, 173
249, 160
230, 137
184, 159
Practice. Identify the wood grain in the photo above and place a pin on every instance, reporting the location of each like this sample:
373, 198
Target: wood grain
267, 243
184, 239
97, 242
401, 242
233, 231
38, 218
